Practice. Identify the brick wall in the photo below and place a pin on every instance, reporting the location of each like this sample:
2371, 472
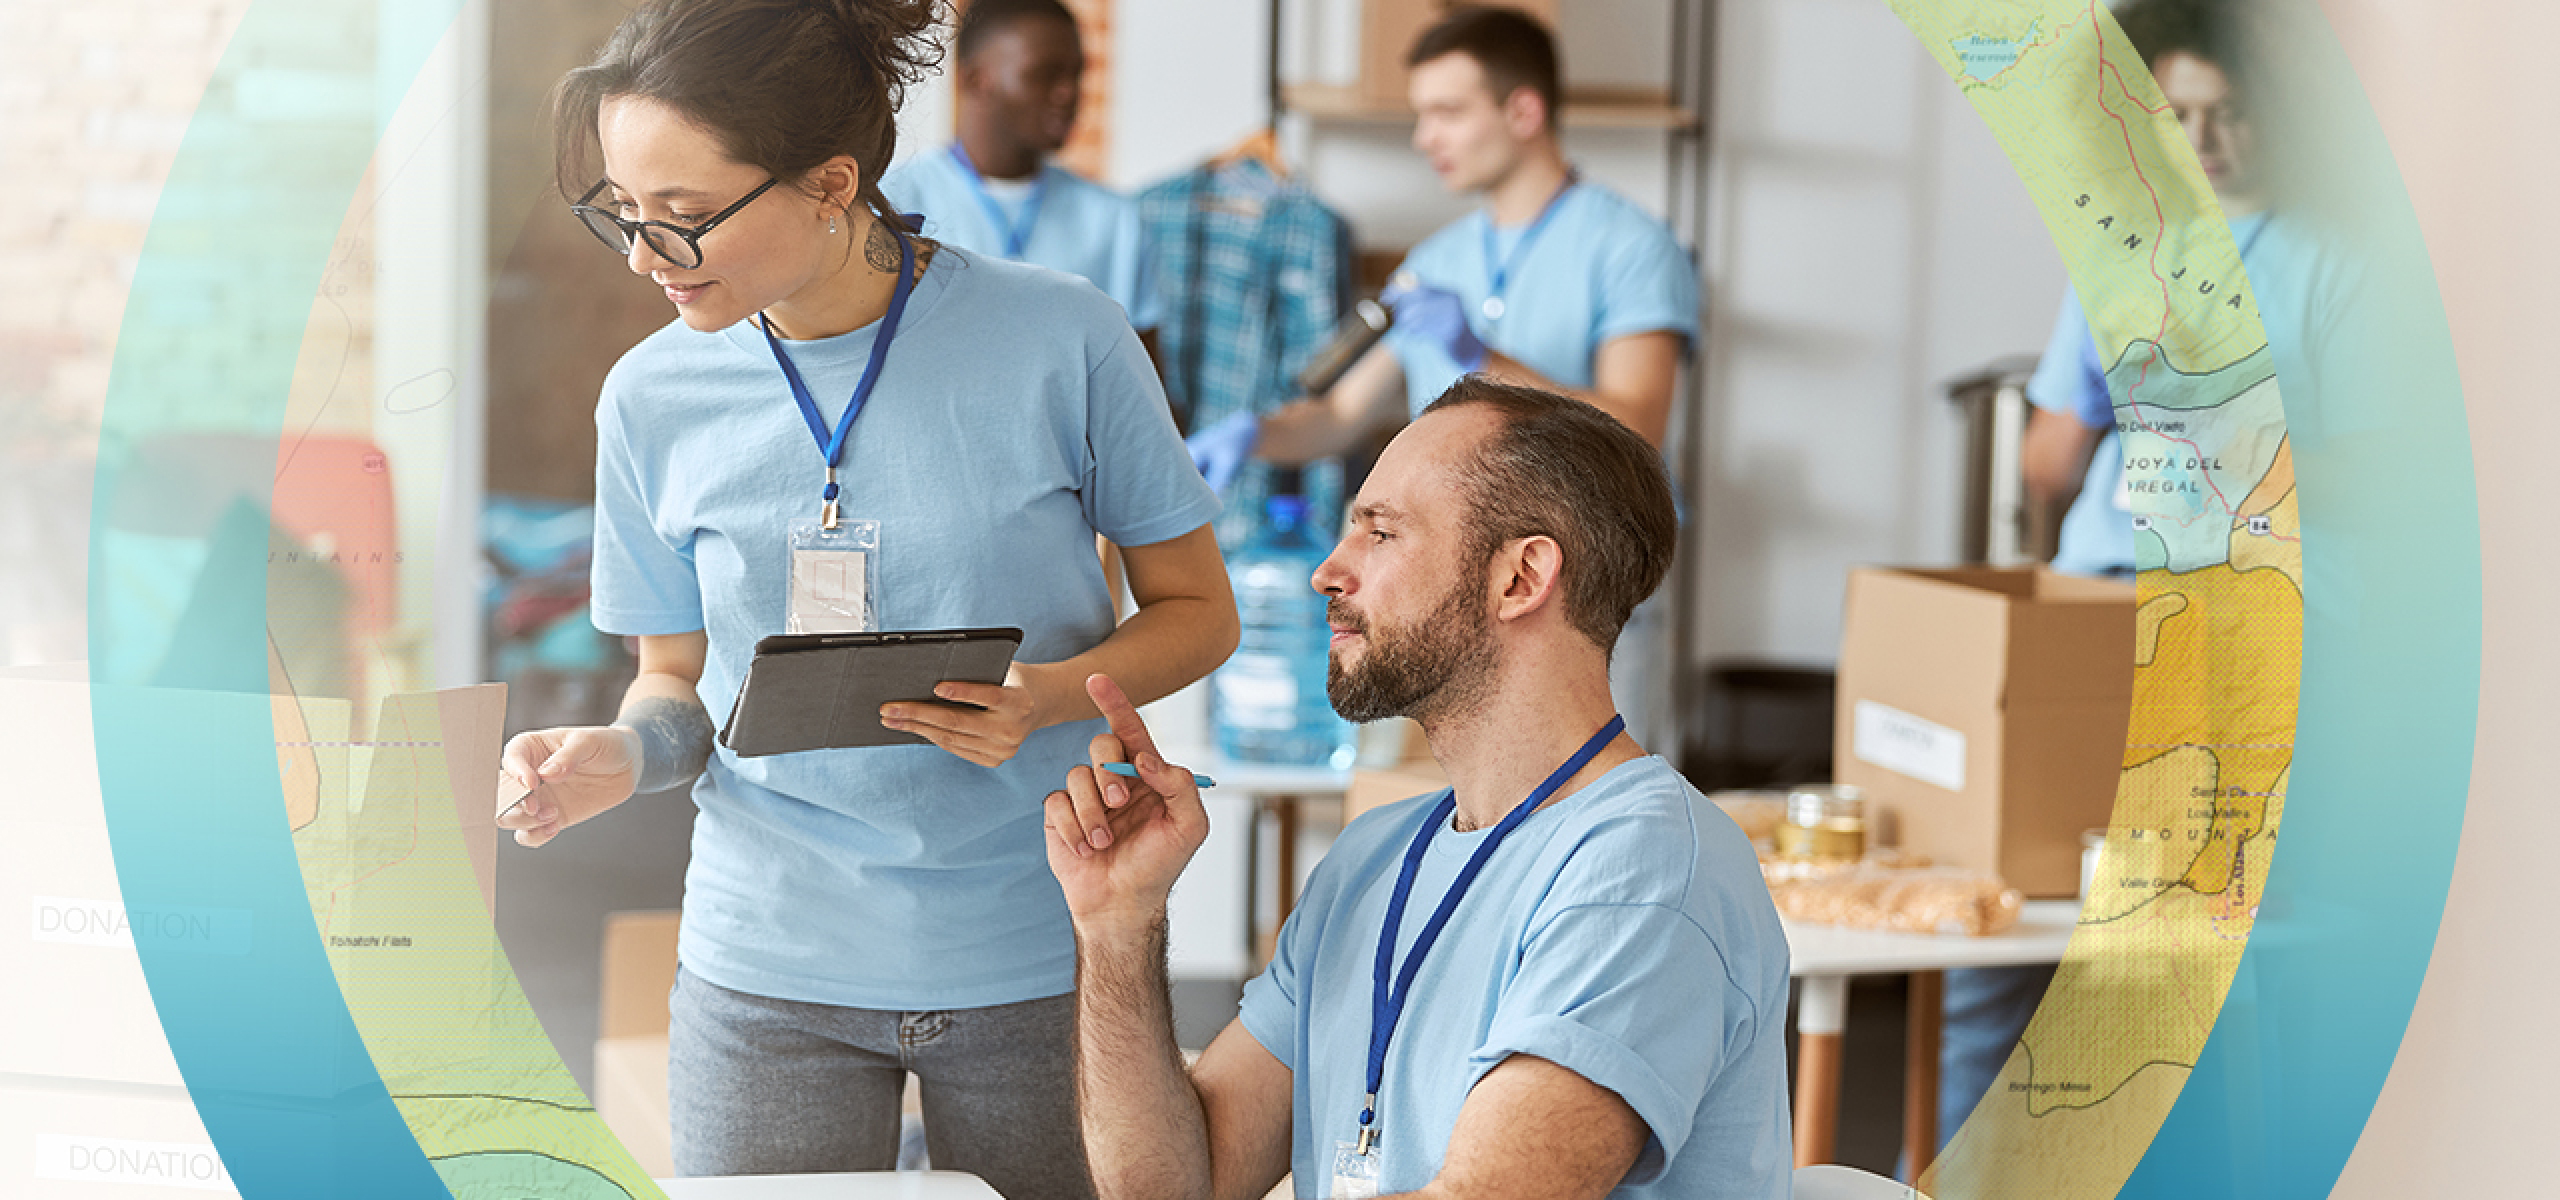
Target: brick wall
94, 99
1088, 151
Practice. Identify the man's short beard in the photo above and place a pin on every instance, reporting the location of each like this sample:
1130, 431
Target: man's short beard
1442, 663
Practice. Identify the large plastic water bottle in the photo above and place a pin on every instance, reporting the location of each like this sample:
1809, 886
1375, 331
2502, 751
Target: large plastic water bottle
1268, 702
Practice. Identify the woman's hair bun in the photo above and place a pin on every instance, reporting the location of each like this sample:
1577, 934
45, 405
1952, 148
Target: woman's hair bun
900, 39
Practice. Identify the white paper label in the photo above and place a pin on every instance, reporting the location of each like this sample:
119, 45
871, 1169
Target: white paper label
190, 1166
1897, 741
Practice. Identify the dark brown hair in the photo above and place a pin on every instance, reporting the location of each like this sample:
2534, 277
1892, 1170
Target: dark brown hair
1513, 48
784, 85
1562, 469
982, 18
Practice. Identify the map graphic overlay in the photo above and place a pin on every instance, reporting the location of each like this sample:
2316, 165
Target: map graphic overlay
256, 756
2219, 595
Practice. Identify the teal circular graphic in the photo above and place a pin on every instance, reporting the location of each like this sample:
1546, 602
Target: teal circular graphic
315, 1078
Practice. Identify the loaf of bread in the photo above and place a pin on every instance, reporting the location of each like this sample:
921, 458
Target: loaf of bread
1899, 899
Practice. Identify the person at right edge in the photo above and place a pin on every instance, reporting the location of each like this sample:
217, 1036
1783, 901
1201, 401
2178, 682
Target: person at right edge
1557, 283
1560, 978
2194, 49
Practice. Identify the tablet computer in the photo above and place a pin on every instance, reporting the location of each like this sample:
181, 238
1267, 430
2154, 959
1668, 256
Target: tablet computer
823, 691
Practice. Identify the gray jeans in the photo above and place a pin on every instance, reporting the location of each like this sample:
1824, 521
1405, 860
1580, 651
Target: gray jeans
759, 1086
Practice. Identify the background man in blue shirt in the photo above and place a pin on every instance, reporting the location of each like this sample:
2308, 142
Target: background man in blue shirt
2197, 52
1596, 978
1017, 78
1556, 282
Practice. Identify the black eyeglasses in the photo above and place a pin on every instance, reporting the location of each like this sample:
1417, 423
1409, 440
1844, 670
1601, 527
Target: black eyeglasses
672, 242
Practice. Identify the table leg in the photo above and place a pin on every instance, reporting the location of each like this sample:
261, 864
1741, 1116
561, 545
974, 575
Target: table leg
1254, 956
1928, 1006
1286, 809
1822, 1014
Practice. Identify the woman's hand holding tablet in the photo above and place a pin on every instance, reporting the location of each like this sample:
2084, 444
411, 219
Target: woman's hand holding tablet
983, 723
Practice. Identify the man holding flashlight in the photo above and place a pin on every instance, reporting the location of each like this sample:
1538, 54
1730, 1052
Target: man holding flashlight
1556, 282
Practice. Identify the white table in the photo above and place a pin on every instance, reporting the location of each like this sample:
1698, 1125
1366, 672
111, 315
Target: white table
1823, 957
864, 1185
1282, 792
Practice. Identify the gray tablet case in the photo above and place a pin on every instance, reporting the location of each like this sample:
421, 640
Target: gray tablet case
824, 691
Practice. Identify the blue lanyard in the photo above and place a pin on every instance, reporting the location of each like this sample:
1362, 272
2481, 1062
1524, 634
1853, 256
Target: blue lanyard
833, 446
1386, 1004
1497, 267
1016, 232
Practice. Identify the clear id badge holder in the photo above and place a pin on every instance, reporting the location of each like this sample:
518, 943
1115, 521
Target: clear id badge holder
1355, 1170
831, 568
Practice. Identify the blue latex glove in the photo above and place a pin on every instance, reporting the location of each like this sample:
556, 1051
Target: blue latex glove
1435, 317
1220, 451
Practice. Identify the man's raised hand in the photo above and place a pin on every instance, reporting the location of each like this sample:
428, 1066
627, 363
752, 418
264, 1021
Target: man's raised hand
1115, 843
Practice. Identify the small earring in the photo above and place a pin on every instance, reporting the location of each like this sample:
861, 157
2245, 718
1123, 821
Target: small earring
831, 224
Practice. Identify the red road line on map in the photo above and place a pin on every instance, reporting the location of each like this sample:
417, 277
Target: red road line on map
2159, 219
2159, 236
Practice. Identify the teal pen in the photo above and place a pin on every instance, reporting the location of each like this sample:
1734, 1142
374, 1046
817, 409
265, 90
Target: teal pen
1126, 769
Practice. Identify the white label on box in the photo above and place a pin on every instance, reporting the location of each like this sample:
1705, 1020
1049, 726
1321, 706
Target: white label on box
1897, 741
110, 924
190, 1166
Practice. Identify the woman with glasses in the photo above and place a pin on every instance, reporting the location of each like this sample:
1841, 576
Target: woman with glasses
848, 427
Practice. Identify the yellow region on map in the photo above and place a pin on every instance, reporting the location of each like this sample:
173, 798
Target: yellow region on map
2217, 621
388, 861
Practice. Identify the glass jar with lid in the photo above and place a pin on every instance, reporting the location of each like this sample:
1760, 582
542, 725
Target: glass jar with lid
1825, 822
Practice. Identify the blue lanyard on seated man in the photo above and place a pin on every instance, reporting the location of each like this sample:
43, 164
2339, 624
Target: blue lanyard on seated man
1355, 1168
831, 558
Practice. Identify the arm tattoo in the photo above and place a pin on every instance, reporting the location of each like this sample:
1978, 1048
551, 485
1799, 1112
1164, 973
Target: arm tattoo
675, 742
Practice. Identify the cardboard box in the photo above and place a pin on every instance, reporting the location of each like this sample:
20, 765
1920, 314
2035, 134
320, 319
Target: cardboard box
639, 971
77, 1006
1374, 788
65, 1140
1413, 772
1388, 29
631, 1046
1984, 711
631, 1097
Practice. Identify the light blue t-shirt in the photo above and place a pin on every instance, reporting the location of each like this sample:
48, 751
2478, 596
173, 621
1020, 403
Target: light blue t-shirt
1082, 228
1016, 417
1622, 932
2301, 286
1600, 268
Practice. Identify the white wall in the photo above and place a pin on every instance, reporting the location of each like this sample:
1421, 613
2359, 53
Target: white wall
429, 350
1189, 83
1869, 241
